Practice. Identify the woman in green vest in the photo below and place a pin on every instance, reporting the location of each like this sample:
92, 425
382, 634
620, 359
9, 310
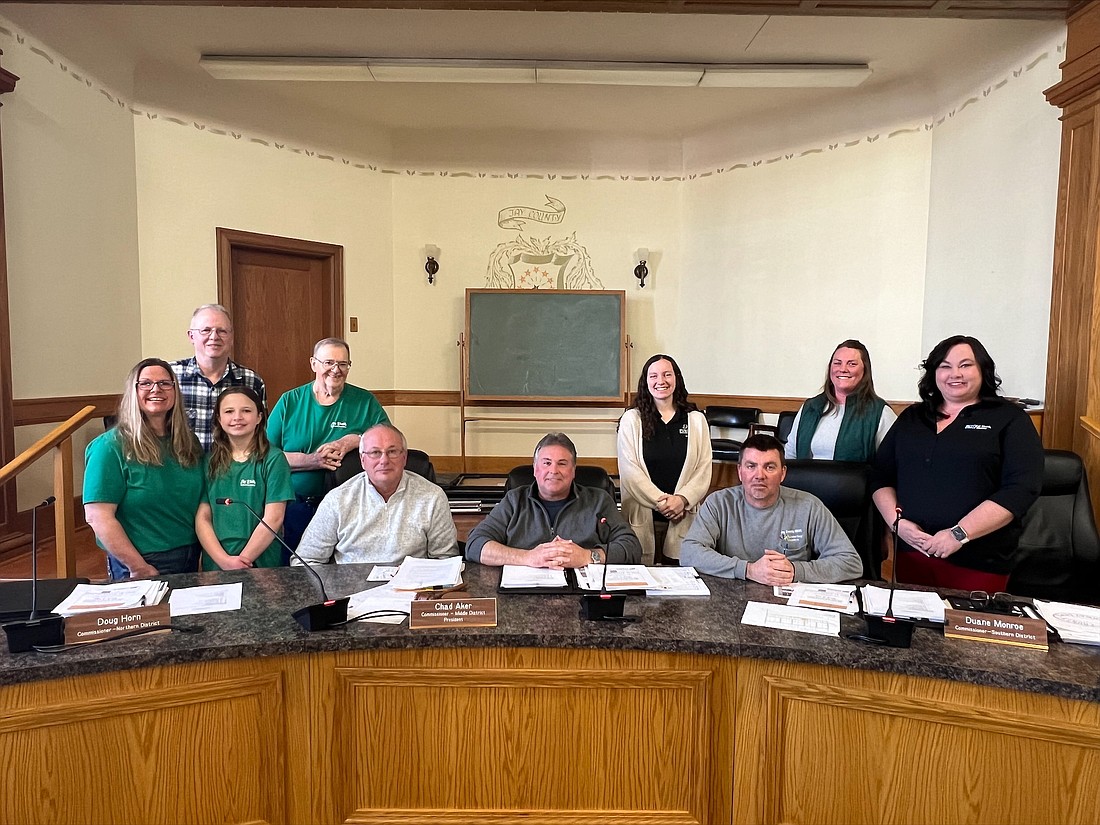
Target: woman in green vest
848, 420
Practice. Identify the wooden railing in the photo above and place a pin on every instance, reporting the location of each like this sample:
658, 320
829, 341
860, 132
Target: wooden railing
59, 439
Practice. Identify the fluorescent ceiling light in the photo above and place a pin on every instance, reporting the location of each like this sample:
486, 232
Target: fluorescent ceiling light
779, 76
393, 70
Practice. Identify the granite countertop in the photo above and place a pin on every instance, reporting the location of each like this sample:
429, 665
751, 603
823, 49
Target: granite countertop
264, 627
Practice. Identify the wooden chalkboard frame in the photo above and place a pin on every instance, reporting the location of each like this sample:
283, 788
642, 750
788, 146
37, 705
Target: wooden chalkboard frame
617, 399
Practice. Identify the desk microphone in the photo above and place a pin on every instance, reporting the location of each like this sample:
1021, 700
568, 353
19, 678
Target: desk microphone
604, 606
321, 616
888, 629
35, 630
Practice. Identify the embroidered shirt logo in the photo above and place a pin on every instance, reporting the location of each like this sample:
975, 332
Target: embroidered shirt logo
248, 482
342, 425
684, 429
977, 427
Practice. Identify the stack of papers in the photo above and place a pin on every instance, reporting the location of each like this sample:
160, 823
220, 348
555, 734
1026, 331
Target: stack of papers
424, 574
798, 619
210, 598
1075, 623
619, 577
517, 576
677, 581
395, 603
908, 604
86, 598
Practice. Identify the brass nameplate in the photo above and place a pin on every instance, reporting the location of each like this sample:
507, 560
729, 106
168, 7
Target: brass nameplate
102, 624
1019, 631
453, 613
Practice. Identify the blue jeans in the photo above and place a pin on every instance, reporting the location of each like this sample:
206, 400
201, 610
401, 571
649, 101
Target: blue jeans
183, 559
299, 514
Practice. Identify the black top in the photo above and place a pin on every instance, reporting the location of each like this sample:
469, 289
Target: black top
664, 454
990, 451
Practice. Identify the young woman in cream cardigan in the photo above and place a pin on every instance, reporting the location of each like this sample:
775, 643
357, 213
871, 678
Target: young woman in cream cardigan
664, 461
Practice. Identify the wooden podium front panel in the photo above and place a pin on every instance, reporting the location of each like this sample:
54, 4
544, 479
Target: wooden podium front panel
842, 746
192, 743
538, 736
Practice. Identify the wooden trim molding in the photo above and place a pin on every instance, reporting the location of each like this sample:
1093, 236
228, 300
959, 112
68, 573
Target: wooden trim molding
52, 410
8, 500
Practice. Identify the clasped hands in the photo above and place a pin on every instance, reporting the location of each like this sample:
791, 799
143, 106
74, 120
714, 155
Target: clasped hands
771, 568
673, 507
328, 456
938, 545
558, 554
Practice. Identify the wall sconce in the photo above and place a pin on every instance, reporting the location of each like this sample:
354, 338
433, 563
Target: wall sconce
641, 271
431, 266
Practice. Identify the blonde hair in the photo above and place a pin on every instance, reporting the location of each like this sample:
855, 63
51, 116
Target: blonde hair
139, 442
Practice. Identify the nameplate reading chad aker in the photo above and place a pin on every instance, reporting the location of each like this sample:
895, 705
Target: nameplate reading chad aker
453, 613
102, 624
1020, 631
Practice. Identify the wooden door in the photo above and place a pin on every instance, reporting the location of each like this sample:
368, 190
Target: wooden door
284, 295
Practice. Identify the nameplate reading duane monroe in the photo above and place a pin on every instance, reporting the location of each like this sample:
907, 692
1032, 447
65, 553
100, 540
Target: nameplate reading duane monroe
102, 624
1019, 631
453, 613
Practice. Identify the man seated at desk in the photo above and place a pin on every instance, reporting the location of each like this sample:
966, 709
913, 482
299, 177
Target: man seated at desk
765, 532
383, 514
554, 523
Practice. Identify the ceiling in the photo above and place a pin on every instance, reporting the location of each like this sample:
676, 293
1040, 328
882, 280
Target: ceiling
149, 53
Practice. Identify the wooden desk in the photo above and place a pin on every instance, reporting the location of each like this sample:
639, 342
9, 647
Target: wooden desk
684, 717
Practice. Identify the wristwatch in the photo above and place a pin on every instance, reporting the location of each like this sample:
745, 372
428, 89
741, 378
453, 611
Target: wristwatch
959, 534
596, 557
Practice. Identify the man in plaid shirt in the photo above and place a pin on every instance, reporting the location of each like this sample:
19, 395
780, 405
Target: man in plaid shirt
203, 377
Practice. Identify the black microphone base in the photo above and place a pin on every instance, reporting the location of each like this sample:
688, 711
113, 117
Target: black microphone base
324, 615
891, 632
602, 606
41, 632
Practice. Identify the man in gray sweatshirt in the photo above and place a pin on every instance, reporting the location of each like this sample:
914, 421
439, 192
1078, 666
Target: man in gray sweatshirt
766, 532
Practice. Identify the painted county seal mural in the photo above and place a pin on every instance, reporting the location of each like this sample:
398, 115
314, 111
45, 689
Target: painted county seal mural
539, 263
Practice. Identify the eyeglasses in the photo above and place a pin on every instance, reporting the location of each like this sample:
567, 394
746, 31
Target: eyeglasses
145, 385
392, 454
212, 332
329, 364
999, 602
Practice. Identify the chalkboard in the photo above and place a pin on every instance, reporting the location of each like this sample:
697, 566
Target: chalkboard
545, 345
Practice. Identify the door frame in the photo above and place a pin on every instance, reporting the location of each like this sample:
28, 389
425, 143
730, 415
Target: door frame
330, 255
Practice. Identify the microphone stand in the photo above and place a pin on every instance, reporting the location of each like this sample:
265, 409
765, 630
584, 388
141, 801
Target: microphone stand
887, 629
330, 612
35, 630
604, 606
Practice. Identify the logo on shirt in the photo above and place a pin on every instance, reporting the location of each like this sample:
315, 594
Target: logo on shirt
342, 425
977, 427
248, 482
683, 429
790, 536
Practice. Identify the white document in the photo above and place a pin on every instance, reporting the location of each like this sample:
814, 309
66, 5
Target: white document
118, 596
840, 597
395, 604
908, 604
619, 577
517, 575
423, 574
1075, 623
380, 573
210, 598
798, 619
677, 581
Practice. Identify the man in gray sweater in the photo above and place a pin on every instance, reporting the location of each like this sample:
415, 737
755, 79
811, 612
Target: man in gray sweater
766, 532
383, 514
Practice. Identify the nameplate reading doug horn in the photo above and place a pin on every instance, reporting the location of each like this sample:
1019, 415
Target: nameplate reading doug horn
1019, 631
102, 624
453, 613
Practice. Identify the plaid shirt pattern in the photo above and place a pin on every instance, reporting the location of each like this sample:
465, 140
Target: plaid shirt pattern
200, 396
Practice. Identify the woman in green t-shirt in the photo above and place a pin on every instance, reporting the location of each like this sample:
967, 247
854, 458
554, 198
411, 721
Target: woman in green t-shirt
143, 479
243, 467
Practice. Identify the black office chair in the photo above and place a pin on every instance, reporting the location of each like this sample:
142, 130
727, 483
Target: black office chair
1059, 550
781, 430
588, 475
729, 418
844, 488
416, 461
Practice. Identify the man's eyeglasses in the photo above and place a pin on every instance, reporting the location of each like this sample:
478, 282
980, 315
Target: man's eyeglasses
329, 364
999, 602
212, 332
392, 454
145, 385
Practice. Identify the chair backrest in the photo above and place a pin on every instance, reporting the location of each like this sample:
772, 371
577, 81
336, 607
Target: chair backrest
416, 461
588, 475
844, 488
786, 422
1058, 556
731, 418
